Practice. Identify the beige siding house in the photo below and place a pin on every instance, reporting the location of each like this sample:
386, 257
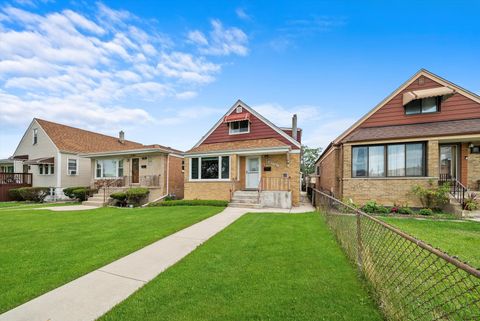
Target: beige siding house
155, 167
60, 156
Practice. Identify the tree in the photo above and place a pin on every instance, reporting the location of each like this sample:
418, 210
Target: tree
309, 156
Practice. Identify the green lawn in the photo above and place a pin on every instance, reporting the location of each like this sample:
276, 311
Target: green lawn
41, 250
262, 267
23, 205
458, 238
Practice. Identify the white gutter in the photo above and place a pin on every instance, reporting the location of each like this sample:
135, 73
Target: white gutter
128, 152
251, 151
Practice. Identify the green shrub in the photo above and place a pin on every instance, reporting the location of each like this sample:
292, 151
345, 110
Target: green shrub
119, 196
81, 194
425, 211
405, 210
190, 203
34, 194
136, 195
432, 196
382, 210
68, 191
370, 207
471, 202
14, 194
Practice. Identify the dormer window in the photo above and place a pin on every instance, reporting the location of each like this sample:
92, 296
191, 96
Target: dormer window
423, 106
239, 127
35, 136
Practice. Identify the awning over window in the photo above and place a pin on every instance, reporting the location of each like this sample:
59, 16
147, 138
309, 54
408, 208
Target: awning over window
38, 161
425, 93
237, 117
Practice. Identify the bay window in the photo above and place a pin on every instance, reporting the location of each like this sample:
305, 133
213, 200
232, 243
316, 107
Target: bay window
210, 168
109, 168
390, 160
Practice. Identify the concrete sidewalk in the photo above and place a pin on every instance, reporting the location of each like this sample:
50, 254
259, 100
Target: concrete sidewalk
92, 295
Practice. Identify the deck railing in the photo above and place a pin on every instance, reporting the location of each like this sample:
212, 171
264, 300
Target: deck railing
127, 181
411, 280
274, 184
16, 178
457, 189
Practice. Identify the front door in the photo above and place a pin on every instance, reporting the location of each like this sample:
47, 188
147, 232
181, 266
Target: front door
448, 161
252, 174
135, 170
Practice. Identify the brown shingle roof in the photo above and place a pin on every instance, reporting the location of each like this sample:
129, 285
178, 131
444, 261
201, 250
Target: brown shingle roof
244, 144
456, 127
71, 139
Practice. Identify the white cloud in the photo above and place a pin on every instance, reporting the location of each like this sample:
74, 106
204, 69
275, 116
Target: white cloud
187, 68
186, 115
242, 14
89, 68
320, 125
187, 95
197, 37
221, 41
282, 116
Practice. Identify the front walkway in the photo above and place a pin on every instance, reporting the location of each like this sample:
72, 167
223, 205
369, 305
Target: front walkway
95, 293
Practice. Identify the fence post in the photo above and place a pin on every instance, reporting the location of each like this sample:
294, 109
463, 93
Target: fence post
359, 242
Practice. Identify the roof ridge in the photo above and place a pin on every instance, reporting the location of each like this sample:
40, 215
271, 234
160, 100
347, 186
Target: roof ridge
84, 130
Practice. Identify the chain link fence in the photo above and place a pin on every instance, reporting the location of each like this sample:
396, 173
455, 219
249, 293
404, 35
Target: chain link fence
410, 279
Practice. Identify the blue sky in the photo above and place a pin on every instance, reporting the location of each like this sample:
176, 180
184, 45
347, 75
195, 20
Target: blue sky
165, 72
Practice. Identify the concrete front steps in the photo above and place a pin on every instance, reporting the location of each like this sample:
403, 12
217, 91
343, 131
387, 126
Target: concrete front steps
245, 199
98, 199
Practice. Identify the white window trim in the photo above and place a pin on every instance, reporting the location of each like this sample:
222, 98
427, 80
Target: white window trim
219, 179
76, 169
49, 166
117, 160
239, 133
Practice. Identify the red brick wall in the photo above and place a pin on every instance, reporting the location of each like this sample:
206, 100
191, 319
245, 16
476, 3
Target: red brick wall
175, 176
329, 173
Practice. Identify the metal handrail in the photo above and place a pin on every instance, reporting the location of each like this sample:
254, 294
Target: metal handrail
457, 189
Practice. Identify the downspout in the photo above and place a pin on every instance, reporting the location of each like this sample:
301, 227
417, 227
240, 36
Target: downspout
168, 171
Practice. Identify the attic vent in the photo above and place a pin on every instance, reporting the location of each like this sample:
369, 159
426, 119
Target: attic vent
421, 81
239, 109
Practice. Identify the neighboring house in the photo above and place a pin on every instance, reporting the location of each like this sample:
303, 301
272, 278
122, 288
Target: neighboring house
247, 159
156, 167
54, 154
427, 129
7, 165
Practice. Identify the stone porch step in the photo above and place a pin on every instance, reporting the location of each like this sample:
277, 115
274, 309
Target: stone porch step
93, 203
244, 205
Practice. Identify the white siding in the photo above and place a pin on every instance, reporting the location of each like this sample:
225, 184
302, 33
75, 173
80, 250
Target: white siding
43, 148
83, 177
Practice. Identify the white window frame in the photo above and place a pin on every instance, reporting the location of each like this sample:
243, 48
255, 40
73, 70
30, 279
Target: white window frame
200, 179
69, 171
117, 161
35, 136
46, 169
238, 133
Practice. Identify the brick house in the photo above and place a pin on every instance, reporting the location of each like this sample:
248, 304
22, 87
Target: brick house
246, 159
427, 129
